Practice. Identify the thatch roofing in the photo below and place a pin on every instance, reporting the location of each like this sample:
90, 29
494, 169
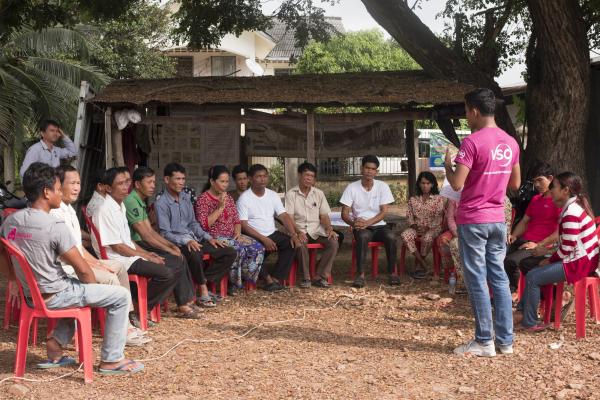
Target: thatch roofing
401, 88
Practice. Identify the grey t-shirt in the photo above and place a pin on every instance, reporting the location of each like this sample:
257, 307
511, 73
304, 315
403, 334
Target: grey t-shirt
42, 238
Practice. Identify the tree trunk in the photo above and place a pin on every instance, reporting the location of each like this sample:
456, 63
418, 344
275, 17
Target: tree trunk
396, 17
558, 87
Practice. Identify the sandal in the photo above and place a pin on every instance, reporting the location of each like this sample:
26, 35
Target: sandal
206, 302
359, 282
128, 367
190, 314
64, 361
394, 280
418, 274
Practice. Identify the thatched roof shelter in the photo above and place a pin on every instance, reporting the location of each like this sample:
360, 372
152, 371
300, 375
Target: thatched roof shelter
399, 88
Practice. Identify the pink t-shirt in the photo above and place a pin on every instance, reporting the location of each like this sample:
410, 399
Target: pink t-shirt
490, 155
543, 218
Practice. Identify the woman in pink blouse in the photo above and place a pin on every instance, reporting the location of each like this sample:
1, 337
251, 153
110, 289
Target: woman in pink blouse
217, 214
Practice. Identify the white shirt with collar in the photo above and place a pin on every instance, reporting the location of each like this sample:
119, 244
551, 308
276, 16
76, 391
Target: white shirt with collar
94, 203
67, 214
111, 222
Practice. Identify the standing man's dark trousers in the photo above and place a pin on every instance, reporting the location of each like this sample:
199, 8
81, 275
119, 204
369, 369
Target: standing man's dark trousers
285, 256
381, 233
162, 280
184, 287
209, 271
519, 260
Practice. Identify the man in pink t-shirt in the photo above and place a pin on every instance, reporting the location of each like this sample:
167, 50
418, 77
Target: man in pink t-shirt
487, 163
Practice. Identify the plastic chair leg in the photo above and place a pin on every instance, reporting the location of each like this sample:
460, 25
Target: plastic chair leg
353, 265
547, 290
35, 332
22, 343
224, 283
521, 286
557, 304
7, 308
86, 355
143, 303
374, 262
580, 293
312, 263
402, 259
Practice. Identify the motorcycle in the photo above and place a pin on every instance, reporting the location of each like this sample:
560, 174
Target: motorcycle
9, 200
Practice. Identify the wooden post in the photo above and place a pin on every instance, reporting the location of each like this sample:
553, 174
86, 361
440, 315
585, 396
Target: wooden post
310, 136
108, 148
117, 143
411, 153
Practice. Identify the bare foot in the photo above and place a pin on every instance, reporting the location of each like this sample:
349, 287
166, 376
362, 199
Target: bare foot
54, 350
517, 318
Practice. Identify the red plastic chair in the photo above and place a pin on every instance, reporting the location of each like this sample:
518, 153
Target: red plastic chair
312, 264
374, 246
11, 314
586, 286
140, 281
435, 253
39, 310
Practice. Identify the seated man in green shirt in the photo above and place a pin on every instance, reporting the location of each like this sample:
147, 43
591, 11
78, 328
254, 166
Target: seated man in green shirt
147, 238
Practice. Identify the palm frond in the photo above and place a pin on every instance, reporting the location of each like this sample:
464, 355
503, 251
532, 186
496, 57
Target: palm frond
70, 70
15, 108
50, 40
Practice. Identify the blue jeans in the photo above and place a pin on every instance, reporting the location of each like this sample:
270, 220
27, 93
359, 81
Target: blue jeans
482, 248
114, 299
536, 278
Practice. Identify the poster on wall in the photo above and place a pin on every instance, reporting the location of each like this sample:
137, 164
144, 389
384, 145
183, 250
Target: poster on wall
331, 140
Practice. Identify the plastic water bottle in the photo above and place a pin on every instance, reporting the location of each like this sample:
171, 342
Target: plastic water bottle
452, 283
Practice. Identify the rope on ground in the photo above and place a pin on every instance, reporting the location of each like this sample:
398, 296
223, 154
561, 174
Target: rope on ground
305, 311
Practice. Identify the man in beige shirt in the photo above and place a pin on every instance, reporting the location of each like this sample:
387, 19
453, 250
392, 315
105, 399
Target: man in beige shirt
308, 208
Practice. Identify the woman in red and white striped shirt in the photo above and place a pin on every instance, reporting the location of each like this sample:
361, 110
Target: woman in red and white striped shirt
577, 253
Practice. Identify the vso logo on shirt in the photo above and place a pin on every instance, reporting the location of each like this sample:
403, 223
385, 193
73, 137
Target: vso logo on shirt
502, 153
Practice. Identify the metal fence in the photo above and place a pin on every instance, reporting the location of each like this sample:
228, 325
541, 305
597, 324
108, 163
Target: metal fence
350, 166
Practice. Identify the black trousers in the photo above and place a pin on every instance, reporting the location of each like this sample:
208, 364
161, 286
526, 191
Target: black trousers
285, 256
184, 287
519, 260
375, 234
221, 260
162, 280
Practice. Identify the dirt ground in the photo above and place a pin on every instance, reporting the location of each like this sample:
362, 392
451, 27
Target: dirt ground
379, 342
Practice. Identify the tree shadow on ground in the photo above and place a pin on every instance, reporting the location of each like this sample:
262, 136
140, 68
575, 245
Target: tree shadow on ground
312, 334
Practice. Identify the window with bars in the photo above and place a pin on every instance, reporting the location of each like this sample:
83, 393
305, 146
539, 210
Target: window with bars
222, 66
184, 67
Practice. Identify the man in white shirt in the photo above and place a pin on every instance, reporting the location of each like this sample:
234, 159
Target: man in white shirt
46, 151
111, 221
98, 195
108, 272
257, 209
368, 199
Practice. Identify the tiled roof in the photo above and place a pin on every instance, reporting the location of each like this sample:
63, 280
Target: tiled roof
286, 43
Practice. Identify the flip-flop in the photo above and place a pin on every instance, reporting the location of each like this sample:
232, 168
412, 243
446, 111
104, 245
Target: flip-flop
206, 302
64, 361
191, 314
120, 369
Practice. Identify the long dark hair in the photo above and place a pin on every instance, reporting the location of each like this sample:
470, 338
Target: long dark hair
430, 178
574, 183
213, 173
